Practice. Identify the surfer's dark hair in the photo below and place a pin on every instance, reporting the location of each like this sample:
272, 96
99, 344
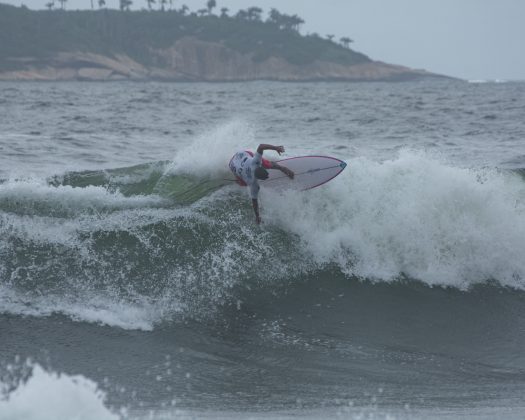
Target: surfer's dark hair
261, 173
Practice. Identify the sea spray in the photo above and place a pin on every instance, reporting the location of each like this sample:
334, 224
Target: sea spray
208, 155
416, 217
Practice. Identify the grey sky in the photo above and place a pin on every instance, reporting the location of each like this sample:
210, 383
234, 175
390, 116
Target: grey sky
471, 39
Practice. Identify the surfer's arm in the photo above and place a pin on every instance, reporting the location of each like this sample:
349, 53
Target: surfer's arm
263, 147
278, 149
255, 204
254, 194
284, 170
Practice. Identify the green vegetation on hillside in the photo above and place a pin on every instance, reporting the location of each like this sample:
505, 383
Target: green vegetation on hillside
41, 34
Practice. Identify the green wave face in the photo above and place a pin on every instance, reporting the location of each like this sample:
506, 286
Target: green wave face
137, 236
144, 179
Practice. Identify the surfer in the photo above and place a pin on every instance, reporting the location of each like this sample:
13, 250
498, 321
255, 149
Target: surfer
248, 168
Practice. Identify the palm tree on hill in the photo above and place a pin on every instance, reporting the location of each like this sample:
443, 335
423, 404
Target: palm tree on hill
224, 12
124, 4
101, 3
274, 16
285, 22
346, 41
241, 14
50, 5
210, 5
254, 13
295, 22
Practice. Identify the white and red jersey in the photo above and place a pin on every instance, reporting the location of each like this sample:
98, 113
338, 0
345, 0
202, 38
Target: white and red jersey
243, 165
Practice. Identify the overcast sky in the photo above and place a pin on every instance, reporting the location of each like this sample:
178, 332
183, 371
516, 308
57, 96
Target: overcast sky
470, 39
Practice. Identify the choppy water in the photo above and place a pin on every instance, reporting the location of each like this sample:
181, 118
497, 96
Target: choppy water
134, 281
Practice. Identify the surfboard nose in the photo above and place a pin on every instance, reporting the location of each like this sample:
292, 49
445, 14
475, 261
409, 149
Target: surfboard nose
342, 165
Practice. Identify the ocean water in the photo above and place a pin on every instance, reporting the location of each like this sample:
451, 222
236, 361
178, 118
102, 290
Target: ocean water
135, 284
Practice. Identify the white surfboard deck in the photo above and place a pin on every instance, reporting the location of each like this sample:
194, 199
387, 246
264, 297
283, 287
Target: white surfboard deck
310, 172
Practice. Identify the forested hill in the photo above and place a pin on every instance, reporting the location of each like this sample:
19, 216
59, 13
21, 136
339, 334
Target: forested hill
110, 44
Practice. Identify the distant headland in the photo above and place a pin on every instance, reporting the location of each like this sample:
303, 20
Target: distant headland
177, 45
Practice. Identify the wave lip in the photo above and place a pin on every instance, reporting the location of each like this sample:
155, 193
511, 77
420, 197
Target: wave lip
35, 197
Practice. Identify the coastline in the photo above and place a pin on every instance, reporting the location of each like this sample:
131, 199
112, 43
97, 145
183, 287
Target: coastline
193, 60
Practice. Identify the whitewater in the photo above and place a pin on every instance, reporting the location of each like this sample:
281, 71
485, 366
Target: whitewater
134, 281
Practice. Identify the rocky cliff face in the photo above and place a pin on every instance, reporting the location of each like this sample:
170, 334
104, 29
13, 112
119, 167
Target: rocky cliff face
190, 59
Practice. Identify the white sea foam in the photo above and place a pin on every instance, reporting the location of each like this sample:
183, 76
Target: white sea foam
482, 81
50, 396
413, 216
90, 307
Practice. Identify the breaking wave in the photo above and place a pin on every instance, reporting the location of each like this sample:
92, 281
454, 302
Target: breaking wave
134, 247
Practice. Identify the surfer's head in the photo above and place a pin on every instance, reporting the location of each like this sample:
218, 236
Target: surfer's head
261, 173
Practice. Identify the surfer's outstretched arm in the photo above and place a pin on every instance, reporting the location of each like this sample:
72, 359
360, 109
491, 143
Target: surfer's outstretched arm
255, 205
263, 147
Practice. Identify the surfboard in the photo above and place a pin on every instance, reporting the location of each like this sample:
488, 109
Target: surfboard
310, 172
